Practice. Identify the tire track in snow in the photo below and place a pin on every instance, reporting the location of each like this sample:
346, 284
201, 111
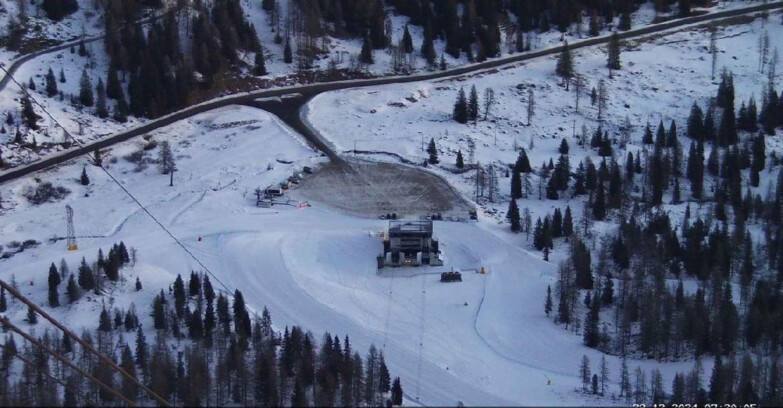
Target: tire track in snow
186, 208
421, 333
499, 352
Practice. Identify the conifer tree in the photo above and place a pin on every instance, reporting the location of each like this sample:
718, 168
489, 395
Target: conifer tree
287, 54
194, 285
72, 290
86, 277
166, 158
179, 296
384, 380
141, 349
708, 130
513, 215
62, 76
260, 65
516, 184
660, 136
604, 374
407, 41
29, 117
433, 152
3, 301
599, 203
460, 162
648, 136
695, 169
84, 179
563, 149
565, 65
568, 223
31, 84
128, 387
121, 111
396, 392
32, 317
727, 130
241, 318
104, 322
86, 97
51, 83
101, 109
365, 55
613, 53
696, 123
54, 281
523, 163
113, 87
584, 372
460, 113
473, 104
427, 46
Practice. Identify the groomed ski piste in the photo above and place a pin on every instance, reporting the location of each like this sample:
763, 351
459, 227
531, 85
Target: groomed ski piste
484, 341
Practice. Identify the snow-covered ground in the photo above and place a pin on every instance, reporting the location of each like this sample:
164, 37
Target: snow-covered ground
484, 341
87, 21
659, 80
345, 51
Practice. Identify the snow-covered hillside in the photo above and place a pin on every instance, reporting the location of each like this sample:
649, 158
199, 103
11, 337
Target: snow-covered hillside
483, 341
659, 81
88, 21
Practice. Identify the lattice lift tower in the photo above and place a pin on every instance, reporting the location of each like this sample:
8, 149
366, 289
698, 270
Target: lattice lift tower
71, 237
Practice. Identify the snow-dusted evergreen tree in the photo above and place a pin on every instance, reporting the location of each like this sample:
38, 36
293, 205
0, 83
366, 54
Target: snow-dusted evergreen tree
531, 105
565, 65
29, 116
513, 216
86, 97
432, 150
166, 158
101, 108
584, 373
613, 53
473, 104
54, 282
51, 83
460, 112
259, 69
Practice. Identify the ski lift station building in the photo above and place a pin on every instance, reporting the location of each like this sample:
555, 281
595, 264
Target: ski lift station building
410, 243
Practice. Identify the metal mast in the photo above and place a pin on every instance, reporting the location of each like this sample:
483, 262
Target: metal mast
71, 237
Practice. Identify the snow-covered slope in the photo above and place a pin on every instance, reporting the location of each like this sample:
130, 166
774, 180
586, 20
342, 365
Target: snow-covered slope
659, 80
482, 341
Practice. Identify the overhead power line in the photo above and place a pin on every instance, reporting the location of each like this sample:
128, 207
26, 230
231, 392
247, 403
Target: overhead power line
65, 385
69, 333
7, 323
122, 187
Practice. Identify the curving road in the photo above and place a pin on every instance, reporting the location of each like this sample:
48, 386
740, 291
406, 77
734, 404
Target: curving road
11, 69
27, 57
308, 91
